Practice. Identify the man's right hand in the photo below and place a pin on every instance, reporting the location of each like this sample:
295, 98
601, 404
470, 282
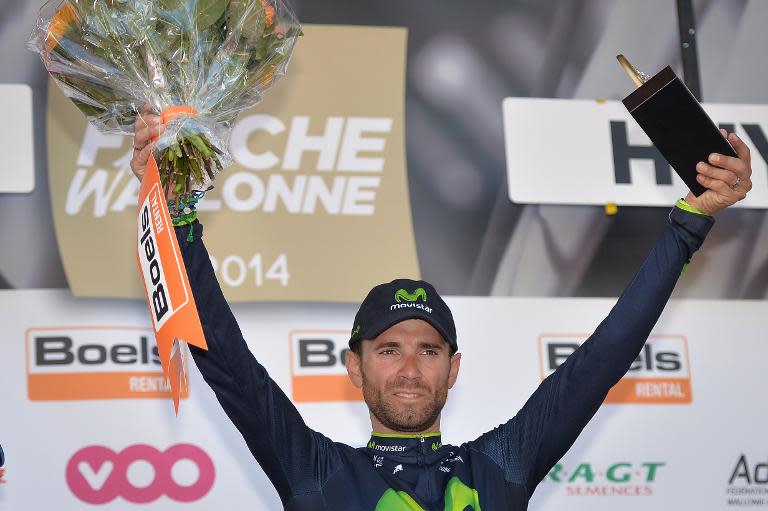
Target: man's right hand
147, 126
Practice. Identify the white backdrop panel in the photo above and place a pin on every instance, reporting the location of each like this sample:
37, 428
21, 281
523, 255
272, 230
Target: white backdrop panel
561, 151
676, 455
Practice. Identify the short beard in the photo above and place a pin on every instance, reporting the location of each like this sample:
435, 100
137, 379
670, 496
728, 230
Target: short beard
406, 419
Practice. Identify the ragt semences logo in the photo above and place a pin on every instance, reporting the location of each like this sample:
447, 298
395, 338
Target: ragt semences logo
614, 479
659, 375
73, 363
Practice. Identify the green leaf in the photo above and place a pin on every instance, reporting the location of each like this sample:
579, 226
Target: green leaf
200, 145
208, 12
88, 110
195, 166
250, 13
171, 4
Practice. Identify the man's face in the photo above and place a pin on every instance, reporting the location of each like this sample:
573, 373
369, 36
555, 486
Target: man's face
405, 374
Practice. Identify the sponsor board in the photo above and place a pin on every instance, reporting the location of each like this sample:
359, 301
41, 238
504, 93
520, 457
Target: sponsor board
615, 479
659, 375
748, 483
140, 474
169, 296
153, 222
570, 142
318, 370
82, 362
318, 176
17, 173
701, 445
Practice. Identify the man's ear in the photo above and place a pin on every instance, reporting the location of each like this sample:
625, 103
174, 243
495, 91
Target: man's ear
454, 372
353, 368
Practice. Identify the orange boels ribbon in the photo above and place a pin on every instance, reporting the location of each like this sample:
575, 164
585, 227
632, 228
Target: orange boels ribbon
169, 296
170, 113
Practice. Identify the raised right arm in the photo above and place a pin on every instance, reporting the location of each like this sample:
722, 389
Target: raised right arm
295, 458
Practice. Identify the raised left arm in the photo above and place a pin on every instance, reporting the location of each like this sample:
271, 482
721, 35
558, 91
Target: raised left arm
527, 446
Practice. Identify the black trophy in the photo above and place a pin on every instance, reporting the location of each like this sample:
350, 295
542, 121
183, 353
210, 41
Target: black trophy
674, 121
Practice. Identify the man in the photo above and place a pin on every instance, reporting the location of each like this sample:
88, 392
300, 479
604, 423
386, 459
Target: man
404, 356
2, 462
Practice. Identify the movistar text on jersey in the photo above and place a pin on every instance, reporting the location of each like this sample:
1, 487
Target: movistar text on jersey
390, 448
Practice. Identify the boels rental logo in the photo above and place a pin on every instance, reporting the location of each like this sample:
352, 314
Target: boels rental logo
659, 375
74, 363
318, 370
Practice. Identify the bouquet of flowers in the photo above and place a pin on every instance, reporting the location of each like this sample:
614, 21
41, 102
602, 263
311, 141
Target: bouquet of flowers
198, 63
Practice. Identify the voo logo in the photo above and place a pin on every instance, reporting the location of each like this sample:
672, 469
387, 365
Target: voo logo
318, 370
140, 474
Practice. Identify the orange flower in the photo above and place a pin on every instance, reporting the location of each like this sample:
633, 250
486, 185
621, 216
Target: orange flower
60, 22
269, 14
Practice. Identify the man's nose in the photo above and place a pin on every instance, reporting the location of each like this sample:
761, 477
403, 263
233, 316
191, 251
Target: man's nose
410, 367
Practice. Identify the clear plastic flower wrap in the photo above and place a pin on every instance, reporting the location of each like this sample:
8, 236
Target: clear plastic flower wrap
198, 63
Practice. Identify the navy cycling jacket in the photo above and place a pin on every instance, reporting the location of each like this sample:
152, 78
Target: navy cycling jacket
497, 471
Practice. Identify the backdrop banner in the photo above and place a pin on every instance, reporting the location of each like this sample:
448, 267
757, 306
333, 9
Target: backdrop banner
17, 174
88, 419
319, 181
593, 152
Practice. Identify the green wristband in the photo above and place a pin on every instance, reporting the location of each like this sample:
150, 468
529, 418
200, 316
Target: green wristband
185, 219
687, 207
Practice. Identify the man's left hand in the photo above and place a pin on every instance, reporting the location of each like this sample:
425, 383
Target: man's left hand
726, 178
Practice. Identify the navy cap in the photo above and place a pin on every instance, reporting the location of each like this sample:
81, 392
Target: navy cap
393, 302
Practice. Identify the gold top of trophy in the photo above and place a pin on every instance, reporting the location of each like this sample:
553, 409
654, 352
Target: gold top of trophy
636, 76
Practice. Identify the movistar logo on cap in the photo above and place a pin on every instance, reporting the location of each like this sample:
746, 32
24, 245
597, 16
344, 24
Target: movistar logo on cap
410, 299
402, 294
356, 331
